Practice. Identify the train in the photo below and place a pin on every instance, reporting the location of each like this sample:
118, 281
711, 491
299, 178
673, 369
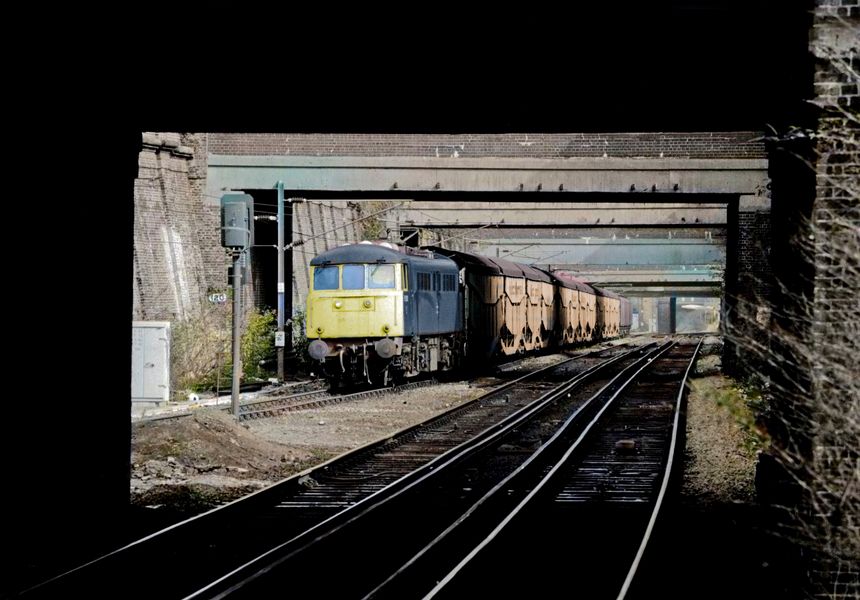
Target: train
379, 313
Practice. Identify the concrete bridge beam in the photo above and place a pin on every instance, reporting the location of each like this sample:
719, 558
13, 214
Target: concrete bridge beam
561, 214
614, 175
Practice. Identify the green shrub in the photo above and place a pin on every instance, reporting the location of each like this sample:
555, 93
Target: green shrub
258, 345
201, 351
745, 403
300, 338
199, 346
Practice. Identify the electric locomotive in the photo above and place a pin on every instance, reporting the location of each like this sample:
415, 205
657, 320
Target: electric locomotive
379, 311
375, 311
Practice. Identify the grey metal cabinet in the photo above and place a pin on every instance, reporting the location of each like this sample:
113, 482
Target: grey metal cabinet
150, 362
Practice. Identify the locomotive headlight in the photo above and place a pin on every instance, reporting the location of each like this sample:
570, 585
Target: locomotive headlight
319, 329
386, 328
367, 304
338, 304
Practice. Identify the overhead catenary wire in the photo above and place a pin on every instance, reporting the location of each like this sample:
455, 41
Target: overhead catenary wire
442, 224
170, 288
545, 258
432, 218
302, 240
463, 235
261, 211
258, 212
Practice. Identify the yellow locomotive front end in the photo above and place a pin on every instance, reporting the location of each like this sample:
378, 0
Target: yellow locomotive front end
355, 302
355, 315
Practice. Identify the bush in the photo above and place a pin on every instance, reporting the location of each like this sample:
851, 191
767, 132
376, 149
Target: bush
201, 350
258, 344
300, 338
199, 345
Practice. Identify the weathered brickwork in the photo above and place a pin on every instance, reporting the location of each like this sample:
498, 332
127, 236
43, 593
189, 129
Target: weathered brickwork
174, 260
208, 231
748, 292
743, 144
754, 273
835, 44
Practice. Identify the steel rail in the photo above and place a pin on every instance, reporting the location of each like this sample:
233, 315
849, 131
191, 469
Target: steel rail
266, 496
531, 464
273, 558
549, 476
666, 476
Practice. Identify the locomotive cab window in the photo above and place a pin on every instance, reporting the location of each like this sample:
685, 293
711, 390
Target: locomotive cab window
381, 277
325, 278
353, 277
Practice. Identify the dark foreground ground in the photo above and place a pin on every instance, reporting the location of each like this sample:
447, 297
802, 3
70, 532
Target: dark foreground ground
718, 551
715, 551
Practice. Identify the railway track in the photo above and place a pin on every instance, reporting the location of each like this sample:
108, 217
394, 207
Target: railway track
588, 519
581, 469
278, 405
216, 542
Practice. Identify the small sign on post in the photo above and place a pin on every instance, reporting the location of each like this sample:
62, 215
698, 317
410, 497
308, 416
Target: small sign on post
280, 339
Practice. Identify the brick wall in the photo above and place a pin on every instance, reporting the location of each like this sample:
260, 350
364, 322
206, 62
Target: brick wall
208, 230
754, 272
748, 290
835, 44
177, 251
742, 144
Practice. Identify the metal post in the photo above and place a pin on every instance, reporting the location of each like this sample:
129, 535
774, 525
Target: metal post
281, 282
237, 338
